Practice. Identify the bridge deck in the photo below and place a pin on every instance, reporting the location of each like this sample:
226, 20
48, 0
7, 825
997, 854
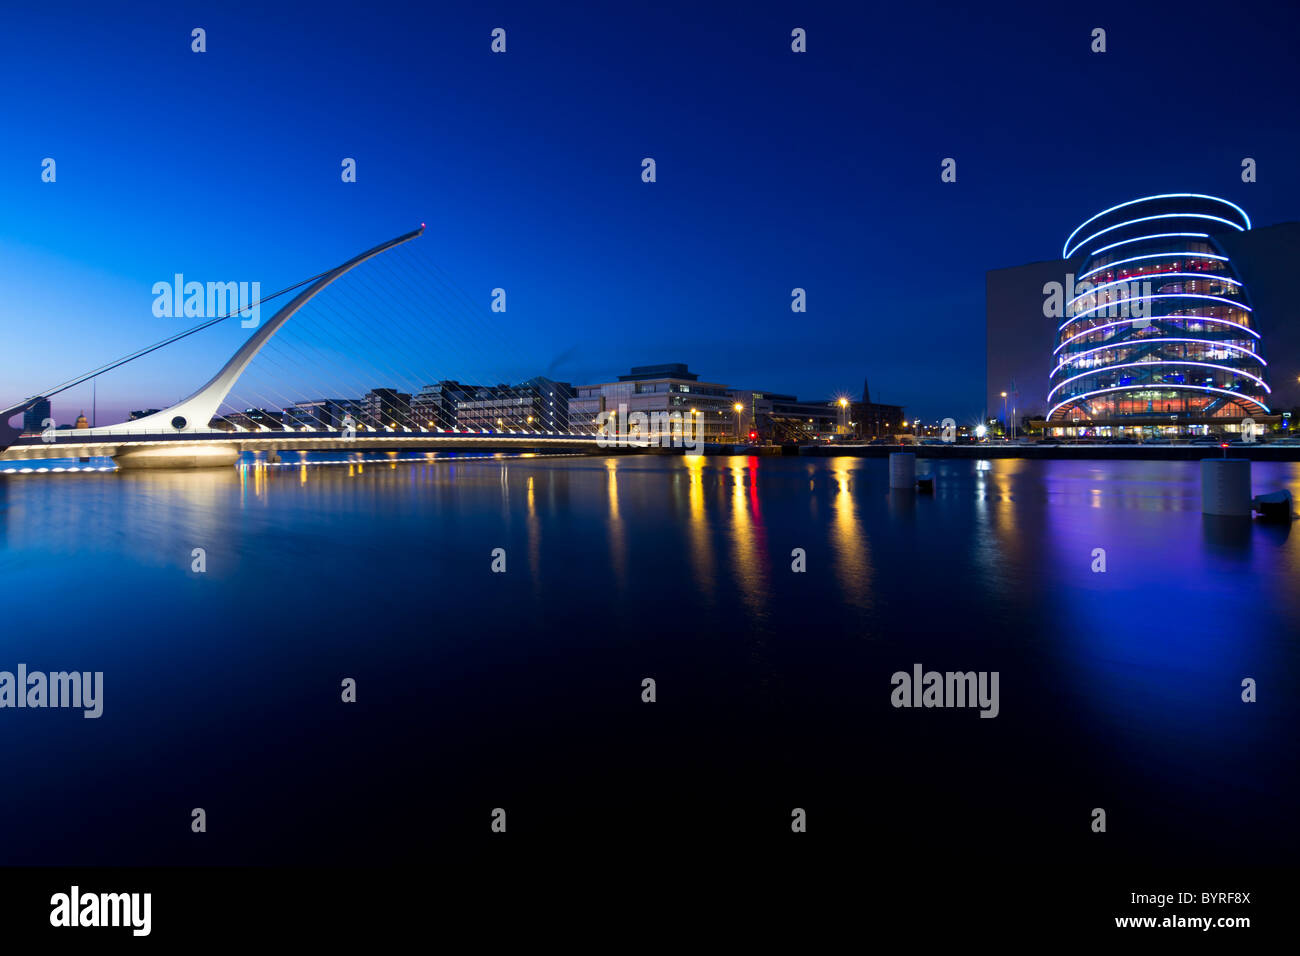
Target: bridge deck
32, 447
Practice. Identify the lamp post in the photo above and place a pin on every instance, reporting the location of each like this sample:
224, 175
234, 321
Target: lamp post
739, 407
1004, 414
844, 413
1014, 395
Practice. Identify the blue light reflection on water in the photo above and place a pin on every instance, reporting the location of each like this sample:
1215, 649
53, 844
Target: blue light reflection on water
1119, 689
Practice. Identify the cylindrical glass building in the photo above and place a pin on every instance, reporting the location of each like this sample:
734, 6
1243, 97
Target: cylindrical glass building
1157, 331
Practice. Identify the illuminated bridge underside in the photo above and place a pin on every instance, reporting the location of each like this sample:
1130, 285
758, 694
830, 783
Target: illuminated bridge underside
1161, 330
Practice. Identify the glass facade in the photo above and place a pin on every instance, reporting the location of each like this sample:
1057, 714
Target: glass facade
1157, 329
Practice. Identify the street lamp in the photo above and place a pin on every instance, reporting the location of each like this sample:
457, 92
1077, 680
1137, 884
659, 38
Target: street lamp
739, 407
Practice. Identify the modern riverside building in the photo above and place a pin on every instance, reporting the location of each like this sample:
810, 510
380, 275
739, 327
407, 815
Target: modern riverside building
537, 405
552, 402
1157, 319
1158, 329
386, 408
660, 388
322, 414
769, 416
783, 418
252, 420
434, 406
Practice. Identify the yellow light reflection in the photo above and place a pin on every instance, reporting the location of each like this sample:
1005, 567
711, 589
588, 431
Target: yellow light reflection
534, 537
848, 538
1004, 518
749, 552
617, 533
702, 564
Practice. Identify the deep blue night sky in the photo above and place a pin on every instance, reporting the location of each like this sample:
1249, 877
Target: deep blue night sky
775, 170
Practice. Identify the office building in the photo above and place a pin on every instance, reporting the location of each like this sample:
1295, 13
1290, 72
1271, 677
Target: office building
537, 405
386, 408
434, 406
767, 416
657, 388
1168, 315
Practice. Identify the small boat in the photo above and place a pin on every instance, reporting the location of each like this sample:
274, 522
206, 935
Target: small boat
1275, 506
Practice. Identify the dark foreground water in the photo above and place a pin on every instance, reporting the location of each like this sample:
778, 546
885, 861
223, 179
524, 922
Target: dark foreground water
523, 690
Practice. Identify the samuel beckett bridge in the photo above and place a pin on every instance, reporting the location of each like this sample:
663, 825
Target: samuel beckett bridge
208, 428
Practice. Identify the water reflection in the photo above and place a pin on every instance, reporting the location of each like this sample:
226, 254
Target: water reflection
748, 542
534, 526
616, 532
848, 537
1127, 679
703, 569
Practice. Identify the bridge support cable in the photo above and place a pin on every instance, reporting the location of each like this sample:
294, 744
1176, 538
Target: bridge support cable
398, 323
402, 318
328, 327
469, 318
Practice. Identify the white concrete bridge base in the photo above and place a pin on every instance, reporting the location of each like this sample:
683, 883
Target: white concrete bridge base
178, 456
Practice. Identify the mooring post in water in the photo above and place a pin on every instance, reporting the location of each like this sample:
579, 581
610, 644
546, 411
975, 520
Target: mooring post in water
902, 469
1225, 487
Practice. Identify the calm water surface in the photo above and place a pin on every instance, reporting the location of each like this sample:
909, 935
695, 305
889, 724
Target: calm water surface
523, 690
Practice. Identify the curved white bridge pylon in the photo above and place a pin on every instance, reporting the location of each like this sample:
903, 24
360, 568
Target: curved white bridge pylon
194, 414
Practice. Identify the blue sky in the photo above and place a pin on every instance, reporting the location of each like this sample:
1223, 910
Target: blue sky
775, 170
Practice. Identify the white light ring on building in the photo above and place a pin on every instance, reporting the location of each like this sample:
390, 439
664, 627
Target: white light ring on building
1138, 388
1160, 295
1133, 202
1154, 235
1163, 215
1101, 369
1156, 255
1156, 275
1136, 343
1108, 325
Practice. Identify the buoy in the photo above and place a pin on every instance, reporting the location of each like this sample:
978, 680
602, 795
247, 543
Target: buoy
902, 469
1225, 487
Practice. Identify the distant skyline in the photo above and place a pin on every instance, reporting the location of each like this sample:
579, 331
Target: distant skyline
775, 170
